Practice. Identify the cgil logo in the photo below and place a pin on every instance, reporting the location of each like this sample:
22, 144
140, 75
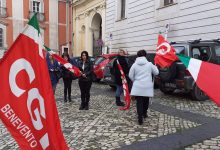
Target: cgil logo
33, 94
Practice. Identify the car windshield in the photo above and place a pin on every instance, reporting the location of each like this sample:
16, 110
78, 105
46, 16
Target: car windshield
99, 60
179, 49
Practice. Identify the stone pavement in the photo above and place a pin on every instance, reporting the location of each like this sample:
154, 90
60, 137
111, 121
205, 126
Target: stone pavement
174, 122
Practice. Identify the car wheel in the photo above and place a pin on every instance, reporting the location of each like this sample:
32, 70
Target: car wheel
198, 94
165, 90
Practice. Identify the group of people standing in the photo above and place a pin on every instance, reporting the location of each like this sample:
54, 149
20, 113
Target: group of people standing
57, 71
140, 74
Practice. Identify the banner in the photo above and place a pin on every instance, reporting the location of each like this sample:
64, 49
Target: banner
125, 88
27, 104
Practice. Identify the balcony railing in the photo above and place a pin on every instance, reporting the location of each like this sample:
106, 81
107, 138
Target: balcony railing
40, 16
3, 12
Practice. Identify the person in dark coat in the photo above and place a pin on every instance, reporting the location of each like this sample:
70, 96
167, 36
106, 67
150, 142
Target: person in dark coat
124, 64
54, 68
67, 79
85, 80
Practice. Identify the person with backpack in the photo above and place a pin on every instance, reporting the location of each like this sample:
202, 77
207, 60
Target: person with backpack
124, 64
143, 87
85, 80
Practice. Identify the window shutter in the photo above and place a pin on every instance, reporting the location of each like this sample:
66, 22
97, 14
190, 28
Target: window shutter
31, 6
42, 7
1, 37
3, 3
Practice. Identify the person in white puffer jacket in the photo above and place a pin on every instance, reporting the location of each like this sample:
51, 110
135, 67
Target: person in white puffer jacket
143, 87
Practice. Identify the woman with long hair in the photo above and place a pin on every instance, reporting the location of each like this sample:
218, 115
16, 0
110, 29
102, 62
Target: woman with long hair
124, 64
85, 80
54, 68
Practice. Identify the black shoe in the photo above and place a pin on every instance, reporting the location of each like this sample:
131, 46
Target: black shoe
145, 116
120, 103
70, 100
65, 100
140, 121
86, 107
81, 107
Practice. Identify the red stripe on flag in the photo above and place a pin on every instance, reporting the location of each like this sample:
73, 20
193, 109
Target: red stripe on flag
208, 81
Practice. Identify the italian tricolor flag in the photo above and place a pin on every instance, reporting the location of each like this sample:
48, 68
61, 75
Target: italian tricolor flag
206, 76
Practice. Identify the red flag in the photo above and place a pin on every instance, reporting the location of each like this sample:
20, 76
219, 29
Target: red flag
27, 105
64, 62
125, 88
165, 54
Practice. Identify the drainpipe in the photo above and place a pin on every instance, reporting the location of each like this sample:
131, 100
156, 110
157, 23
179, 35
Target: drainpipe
67, 23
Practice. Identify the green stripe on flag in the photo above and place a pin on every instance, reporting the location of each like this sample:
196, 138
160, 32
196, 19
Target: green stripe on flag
184, 59
34, 23
47, 48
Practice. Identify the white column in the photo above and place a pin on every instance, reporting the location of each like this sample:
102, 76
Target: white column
103, 24
53, 24
88, 36
17, 17
77, 37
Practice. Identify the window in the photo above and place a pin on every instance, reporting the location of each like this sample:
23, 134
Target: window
202, 53
168, 2
3, 12
217, 50
121, 9
123, 6
1, 37
36, 6
99, 60
180, 49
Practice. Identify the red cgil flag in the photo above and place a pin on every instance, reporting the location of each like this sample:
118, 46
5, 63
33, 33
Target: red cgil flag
165, 54
27, 104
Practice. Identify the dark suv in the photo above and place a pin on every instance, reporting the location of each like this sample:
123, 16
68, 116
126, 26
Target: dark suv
109, 77
178, 77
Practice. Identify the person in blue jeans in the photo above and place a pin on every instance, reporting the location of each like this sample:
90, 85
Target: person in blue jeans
54, 69
124, 64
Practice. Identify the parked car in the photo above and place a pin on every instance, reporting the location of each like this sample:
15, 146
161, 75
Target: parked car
178, 77
91, 58
100, 63
109, 77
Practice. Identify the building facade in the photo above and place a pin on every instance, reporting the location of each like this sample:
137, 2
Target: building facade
88, 26
134, 25
54, 17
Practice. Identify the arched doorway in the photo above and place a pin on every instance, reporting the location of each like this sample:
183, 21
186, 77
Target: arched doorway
97, 34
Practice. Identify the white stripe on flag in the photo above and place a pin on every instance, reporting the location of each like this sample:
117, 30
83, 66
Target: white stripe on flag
194, 67
32, 33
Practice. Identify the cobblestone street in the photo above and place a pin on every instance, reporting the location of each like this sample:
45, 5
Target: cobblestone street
104, 126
